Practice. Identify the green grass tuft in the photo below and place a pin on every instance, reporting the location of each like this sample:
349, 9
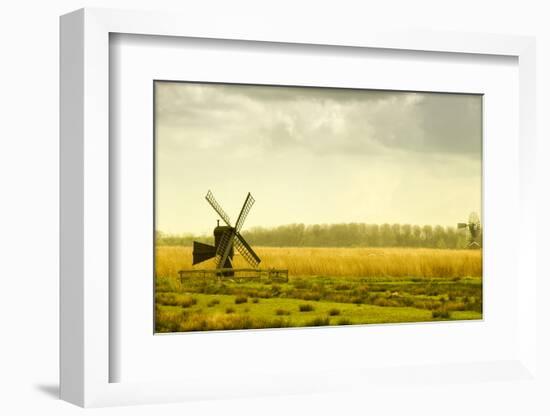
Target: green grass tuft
241, 299
441, 314
213, 302
318, 322
281, 312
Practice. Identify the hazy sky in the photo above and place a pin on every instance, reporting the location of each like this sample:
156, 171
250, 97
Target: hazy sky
315, 155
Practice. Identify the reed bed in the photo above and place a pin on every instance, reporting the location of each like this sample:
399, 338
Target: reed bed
359, 262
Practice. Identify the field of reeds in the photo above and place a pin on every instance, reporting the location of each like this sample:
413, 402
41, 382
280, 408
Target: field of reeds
341, 261
326, 286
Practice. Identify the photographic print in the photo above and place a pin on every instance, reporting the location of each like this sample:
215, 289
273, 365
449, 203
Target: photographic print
284, 206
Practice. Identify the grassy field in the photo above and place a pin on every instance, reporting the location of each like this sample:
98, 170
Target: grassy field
357, 262
327, 286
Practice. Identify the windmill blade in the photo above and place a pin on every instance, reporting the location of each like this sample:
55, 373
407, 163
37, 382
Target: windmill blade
248, 202
246, 251
473, 218
217, 207
224, 248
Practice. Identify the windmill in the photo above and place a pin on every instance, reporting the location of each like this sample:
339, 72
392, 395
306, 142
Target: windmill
474, 227
226, 239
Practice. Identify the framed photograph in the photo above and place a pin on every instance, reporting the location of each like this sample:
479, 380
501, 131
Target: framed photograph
303, 206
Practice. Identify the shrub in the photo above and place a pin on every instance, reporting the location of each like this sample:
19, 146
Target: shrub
318, 322
167, 321
171, 299
306, 307
168, 299
213, 302
441, 313
275, 290
342, 286
187, 301
201, 322
361, 290
473, 304
334, 312
241, 299
282, 312
301, 283
357, 300
427, 304
407, 301
230, 310
255, 300
343, 321
385, 302
455, 306
311, 296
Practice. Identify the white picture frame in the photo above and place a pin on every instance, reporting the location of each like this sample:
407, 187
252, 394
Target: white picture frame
85, 211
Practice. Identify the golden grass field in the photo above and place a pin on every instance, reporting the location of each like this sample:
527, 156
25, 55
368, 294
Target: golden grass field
353, 262
326, 286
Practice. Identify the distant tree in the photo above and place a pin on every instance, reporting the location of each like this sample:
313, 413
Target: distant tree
339, 235
439, 237
406, 235
417, 235
396, 234
373, 231
386, 236
428, 236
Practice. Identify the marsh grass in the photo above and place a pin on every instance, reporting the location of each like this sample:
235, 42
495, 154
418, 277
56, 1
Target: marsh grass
213, 302
348, 261
281, 312
318, 322
441, 313
182, 322
173, 299
241, 299
342, 298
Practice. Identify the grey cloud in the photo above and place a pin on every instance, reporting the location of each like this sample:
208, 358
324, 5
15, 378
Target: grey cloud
319, 120
452, 123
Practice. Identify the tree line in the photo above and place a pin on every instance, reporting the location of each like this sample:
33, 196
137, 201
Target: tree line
342, 235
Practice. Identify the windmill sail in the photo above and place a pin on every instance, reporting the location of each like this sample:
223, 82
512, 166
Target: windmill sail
224, 248
217, 207
246, 251
248, 202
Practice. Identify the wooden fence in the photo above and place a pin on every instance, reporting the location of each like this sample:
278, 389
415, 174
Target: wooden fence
276, 275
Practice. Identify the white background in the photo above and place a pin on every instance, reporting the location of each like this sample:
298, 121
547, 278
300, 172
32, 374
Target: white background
29, 209
138, 62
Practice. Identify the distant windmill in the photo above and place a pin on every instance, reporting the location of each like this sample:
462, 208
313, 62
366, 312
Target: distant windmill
226, 238
474, 227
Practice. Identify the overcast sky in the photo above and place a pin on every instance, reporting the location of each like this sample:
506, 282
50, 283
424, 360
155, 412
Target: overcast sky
315, 155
